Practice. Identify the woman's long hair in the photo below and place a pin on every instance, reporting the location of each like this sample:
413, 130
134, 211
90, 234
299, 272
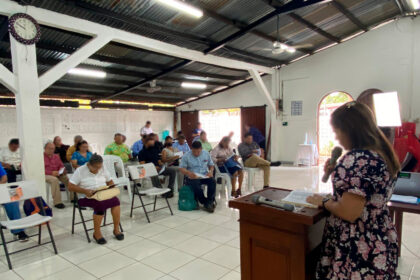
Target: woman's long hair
358, 123
225, 139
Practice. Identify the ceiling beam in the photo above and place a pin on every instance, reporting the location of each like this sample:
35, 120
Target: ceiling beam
314, 28
349, 15
272, 61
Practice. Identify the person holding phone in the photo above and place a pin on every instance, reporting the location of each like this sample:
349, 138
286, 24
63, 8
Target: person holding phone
86, 180
360, 240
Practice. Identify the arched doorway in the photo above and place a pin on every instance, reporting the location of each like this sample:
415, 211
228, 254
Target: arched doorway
326, 137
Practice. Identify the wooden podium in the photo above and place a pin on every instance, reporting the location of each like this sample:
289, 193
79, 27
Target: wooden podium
276, 244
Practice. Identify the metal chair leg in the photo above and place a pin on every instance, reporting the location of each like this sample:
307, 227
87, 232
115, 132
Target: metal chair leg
104, 219
135, 191
144, 208
74, 217
52, 238
169, 206
39, 234
84, 224
9, 263
121, 229
154, 204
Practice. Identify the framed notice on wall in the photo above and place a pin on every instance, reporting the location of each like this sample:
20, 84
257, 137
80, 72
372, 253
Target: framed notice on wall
296, 108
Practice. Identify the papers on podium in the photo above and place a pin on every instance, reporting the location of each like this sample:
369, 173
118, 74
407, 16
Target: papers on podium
298, 198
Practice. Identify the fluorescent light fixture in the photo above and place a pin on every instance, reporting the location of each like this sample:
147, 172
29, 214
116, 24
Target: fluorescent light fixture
193, 85
291, 50
387, 109
415, 4
191, 99
182, 7
326, 47
87, 72
383, 23
352, 36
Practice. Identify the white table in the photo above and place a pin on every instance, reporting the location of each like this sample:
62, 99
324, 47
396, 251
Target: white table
307, 154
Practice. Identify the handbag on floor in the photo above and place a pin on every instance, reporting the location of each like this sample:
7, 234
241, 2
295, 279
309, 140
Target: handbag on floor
186, 200
105, 193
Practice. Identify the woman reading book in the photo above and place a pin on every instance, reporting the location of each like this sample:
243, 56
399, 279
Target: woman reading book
360, 241
88, 179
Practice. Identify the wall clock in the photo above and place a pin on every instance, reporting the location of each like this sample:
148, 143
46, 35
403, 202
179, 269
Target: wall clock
24, 28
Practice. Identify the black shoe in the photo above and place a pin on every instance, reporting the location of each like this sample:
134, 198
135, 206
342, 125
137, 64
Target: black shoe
168, 195
100, 241
275, 163
119, 236
266, 187
60, 206
209, 208
22, 236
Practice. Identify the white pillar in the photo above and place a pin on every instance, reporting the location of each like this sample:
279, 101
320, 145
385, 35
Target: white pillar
28, 112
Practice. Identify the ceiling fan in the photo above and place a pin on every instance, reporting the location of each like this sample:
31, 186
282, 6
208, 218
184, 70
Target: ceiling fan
153, 88
279, 47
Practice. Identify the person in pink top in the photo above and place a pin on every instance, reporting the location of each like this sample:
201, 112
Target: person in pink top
54, 173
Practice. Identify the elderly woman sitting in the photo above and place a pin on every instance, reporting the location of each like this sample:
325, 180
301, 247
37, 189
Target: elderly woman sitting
85, 180
227, 162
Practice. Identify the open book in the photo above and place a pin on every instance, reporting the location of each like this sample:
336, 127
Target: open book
298, 198
61, 171
180, 154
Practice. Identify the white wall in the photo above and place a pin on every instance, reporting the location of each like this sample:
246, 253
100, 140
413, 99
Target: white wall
387, 58
97, 126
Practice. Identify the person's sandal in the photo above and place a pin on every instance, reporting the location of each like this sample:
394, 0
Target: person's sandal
100, 241
119, 236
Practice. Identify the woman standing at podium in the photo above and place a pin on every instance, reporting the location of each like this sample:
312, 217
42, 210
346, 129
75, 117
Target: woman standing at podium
360, 241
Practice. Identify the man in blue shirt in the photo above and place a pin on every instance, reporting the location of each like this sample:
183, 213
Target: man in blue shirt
256, 135
138, 146
182, 144
198, 167
12, 209
197, 131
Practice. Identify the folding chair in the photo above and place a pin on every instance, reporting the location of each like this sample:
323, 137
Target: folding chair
82, 218
24, 190
144, 171
111, 163
225, 178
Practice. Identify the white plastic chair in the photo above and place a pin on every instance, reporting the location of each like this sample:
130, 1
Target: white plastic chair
48, 189
225, 178
251, 176
142, 172
25, 190
110, 164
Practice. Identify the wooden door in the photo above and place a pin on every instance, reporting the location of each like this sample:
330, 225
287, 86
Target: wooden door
253, 116
189, 122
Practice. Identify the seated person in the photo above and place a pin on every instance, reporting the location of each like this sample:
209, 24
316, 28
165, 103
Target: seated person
146, 129
171, 160
204, 142
182, 144
196, 132
158, 144
53, 166
12, 209
178, 134
198, 162
138, 146
118, 148
85, 180
219, 155
11, 160
72, 149
82, 154
150, 153
256, 135
252, 154
60, 149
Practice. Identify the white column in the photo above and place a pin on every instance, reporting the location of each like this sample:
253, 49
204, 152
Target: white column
28, 112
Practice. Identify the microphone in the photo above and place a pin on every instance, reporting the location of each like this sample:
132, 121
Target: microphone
258, 199
335, 154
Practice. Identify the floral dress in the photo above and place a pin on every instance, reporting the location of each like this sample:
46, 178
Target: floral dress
366, 249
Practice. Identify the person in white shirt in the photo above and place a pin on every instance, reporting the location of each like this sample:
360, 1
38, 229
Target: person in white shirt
11, 161
86, 180
147, 129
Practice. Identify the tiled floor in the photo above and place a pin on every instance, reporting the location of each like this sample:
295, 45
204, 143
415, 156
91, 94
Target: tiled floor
189, 245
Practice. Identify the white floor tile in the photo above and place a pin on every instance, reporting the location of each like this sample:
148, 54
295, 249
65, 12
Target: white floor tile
214, 219
233, 275
142, 249
173, 221
106, 264
197, 246
194, 227
199, 269
171, 237
80, 255
9, 275
219, 234
236, 243
167, 277
135, 271
149, 230
168, 260
71, 274
43, 268
225, 256
115, 244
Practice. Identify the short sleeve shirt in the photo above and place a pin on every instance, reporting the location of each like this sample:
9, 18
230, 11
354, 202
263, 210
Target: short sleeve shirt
2, 171
198, 164
81, 160
83, 178
123, 151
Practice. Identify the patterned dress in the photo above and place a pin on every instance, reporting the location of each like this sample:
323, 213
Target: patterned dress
366, 249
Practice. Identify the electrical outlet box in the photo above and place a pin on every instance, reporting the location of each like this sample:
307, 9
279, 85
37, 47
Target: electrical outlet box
285, 123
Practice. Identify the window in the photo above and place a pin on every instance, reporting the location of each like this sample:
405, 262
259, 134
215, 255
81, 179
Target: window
219, 123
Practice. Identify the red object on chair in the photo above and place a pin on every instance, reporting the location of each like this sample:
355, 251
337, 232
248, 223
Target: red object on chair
406, 142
